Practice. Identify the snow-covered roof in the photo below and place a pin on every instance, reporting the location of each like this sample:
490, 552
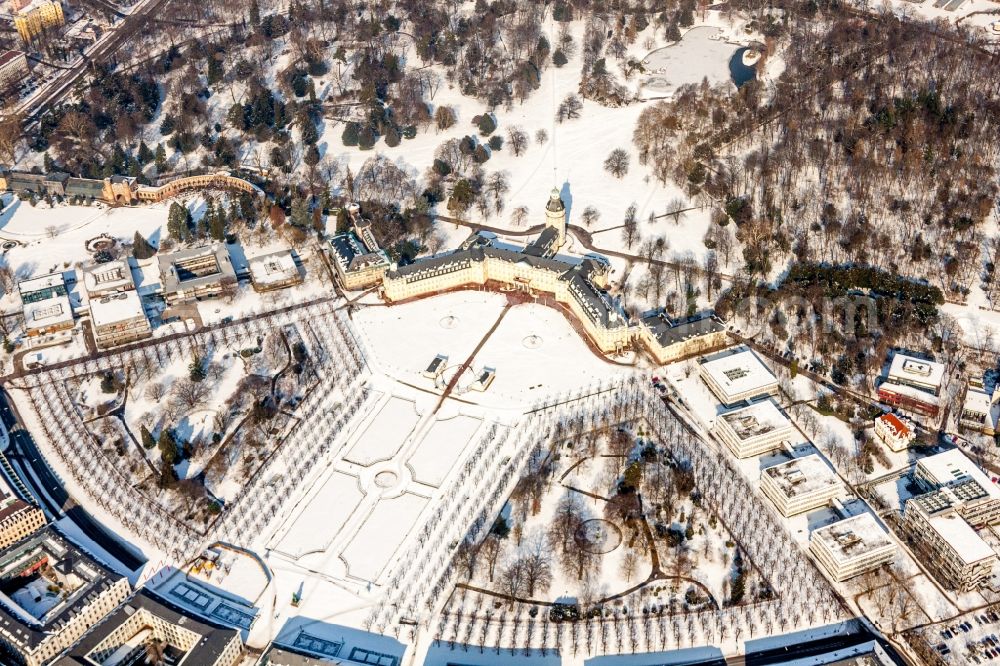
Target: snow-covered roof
195, 267
758, 419
978, 401
110, 276
351, 255
738, 372
953, 466
33, 5
668, 331
964, 540
275, 267
910, 392
48, 312
115, 308
51, 281
918, 370
802, 476
853, 537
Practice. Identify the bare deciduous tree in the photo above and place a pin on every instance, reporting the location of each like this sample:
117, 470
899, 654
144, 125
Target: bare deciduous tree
617, 162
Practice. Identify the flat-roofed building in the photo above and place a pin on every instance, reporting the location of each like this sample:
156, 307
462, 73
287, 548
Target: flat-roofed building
37, 624
45, 305
800, 485
754, 430
436, 367
909, 398
913, 384
977, 497
277, 270
309, 650
850, 547
958, 556
916, 372
118, 319
981, 410
737, 375
125, 635
13, 69
670, 340
196, 274
108, 278
894, 432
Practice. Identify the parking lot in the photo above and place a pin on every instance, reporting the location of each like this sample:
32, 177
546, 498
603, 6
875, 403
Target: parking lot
973, 638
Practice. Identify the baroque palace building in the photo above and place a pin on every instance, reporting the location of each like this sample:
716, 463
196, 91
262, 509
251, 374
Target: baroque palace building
578, 285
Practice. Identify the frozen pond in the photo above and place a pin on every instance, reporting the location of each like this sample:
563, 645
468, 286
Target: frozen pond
700, 54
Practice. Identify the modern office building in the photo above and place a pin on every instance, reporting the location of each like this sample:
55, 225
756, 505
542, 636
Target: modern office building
913, 384
754, 430
119, 319
800, 485
13, 69
108, 278
945, 542
45, 305
850, 547
277, 270
981, 410
737, 375
192, 275
976, 497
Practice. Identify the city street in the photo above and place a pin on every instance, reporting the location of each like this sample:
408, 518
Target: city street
49, 491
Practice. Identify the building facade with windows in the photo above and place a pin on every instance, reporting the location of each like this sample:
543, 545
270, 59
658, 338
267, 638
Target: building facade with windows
800, 485
753, 430
851, 547
958, 556
195, 274
669, 340
277, 270
119, 319
46, 306
38, 16
913, 384
736, 376
894, 432
13, 69
108, 278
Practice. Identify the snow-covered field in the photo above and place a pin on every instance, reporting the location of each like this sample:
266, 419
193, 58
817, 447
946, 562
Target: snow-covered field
437, 452
385, 433
319, 521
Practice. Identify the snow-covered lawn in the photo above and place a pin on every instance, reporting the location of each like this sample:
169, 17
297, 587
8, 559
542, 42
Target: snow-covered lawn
322, 517
437, 452
403, 339
381, 534
385, 433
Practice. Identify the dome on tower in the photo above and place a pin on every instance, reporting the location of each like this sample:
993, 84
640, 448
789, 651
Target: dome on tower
555, 202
